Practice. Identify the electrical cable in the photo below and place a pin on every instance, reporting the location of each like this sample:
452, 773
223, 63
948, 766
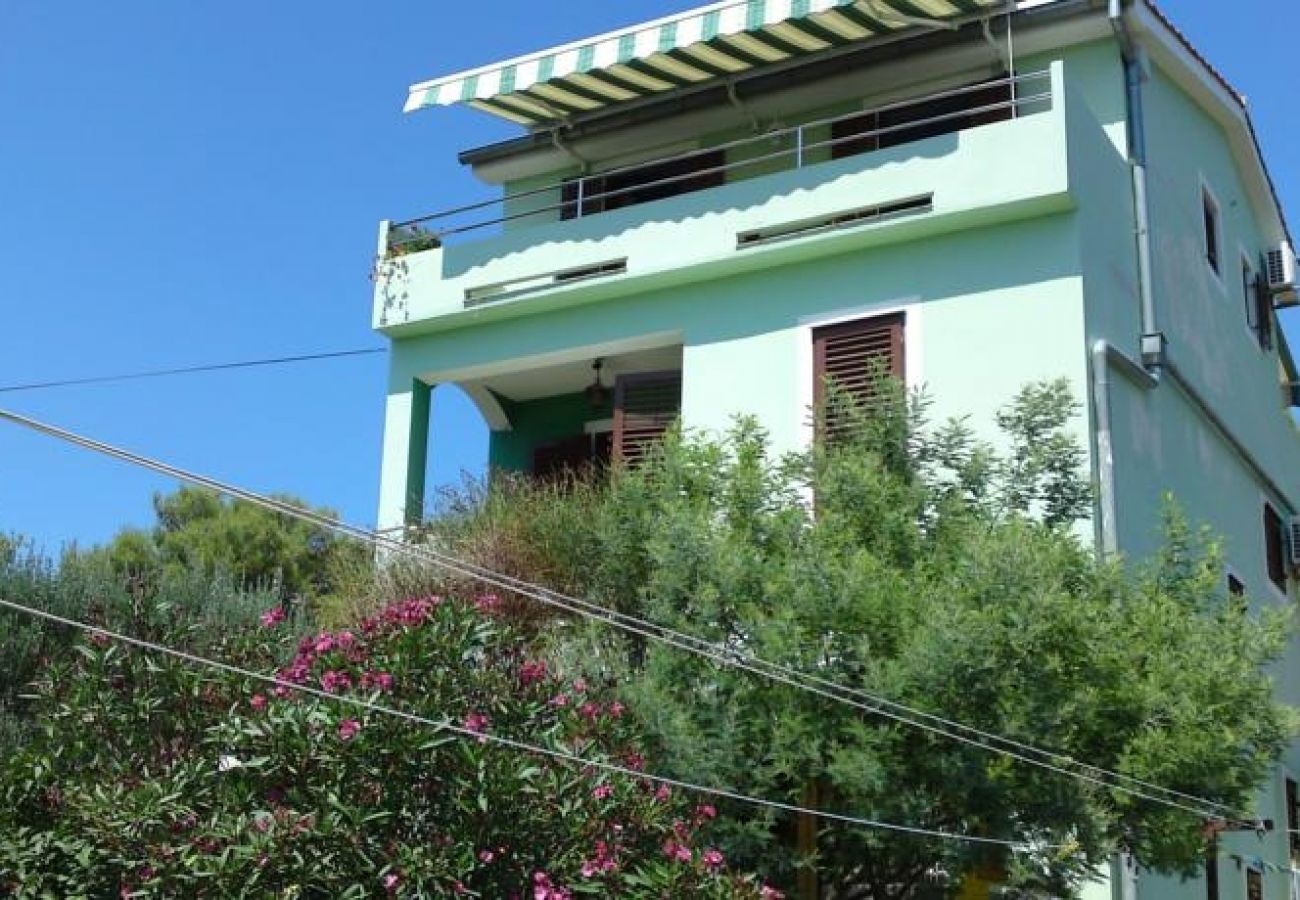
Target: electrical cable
510, 743
744, 662
188, 370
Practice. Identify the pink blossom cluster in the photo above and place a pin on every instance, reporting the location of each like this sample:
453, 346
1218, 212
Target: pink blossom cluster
487, 603
478, 723
531, 673
604, 862
410, 613
545, 889
272, 617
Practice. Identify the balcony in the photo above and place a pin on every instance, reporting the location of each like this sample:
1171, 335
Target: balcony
989, 152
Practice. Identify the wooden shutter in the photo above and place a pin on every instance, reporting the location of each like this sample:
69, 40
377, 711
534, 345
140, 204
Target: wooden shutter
645, 407
848, 355
1275, 547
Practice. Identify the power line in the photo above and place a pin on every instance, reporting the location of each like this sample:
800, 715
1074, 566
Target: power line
862, 700
188, 370
510, 743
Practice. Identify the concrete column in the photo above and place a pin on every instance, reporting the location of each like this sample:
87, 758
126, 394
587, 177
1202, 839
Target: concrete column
406, 453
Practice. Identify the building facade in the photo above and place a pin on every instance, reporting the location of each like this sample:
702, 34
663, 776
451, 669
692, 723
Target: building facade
708, 214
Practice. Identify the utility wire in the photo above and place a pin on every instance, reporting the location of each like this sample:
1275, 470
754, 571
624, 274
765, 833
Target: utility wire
862, 700
188, 370
510, 743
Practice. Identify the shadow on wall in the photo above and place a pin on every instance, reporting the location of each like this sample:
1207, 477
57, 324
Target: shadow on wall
496, 245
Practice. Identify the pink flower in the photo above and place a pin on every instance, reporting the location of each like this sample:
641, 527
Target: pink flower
272, 617
770, 893
712, 859
258, 702
333, 681
324, 643
487, 603
634, 761
663, 793
376, 681
579, 685
602, 791
99, 639
677, 852
348, 729
477, 723
262, 824
617, 709
543, 889
589, 710
531, 673
345, 640
391, 881
458, 887
705, 811
486, 856
560, 700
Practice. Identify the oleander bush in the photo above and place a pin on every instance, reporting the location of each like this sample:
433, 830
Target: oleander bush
150, 776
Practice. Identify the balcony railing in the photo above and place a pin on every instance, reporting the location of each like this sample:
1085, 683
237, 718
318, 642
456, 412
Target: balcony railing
884, 126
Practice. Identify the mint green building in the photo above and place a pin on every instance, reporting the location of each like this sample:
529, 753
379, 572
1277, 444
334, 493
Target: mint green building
707, 213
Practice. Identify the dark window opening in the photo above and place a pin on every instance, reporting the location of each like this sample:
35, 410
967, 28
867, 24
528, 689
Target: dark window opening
571, 455
1259, 306
1254, 884
1212, 870
1236, 587
1293, 816
1210, 212
1275, 547
654, 181
934, 117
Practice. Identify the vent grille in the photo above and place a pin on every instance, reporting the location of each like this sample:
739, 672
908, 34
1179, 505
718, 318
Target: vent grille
878, 213
505, 290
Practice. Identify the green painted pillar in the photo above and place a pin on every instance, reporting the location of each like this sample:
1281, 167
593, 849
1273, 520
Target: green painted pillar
406, 455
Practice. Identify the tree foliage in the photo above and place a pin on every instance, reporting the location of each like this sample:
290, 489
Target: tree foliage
197, 530
920, 564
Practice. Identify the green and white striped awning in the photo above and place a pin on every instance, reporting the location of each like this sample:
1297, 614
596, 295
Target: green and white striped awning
715, 41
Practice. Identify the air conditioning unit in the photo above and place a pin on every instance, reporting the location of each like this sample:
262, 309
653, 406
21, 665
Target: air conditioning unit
1293, 541
1280, 273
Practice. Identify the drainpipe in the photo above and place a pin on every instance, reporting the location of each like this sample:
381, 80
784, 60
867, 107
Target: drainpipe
1105, 357
1153, 342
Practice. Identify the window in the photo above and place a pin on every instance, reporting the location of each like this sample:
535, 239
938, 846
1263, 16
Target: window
1254, 884
1275, 547
1236, 587
1259, 312
1293, 816
936, 116
653, 181
850, 355
1212, 870
645, 407
1213, 238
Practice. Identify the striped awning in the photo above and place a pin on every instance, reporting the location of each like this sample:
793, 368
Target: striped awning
715, 41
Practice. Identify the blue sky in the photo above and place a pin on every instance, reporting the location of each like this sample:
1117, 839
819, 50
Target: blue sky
183, 183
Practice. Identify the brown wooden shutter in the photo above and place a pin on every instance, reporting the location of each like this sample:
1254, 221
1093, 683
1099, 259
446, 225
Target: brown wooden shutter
848, 353
645, 407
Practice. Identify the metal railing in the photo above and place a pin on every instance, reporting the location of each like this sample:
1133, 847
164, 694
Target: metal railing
589, 198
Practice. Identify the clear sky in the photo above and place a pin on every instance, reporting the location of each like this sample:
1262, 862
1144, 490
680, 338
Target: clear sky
183, 183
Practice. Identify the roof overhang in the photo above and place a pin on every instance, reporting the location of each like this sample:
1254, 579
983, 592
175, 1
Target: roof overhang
712, 43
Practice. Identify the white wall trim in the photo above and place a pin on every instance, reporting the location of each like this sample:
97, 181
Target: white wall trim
913, 368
